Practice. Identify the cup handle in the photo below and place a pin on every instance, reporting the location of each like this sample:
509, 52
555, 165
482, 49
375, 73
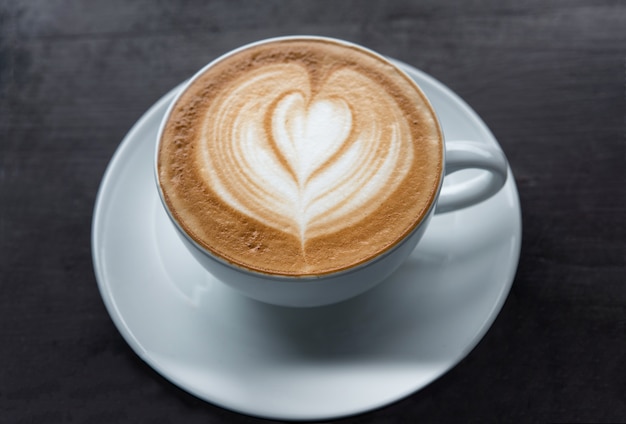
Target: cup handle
466, 155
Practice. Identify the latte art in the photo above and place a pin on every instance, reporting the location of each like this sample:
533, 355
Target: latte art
300, 157
304, 160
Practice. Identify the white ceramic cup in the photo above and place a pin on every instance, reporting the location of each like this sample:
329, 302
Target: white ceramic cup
335, 287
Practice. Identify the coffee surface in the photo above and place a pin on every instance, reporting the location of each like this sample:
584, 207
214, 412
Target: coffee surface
300, 157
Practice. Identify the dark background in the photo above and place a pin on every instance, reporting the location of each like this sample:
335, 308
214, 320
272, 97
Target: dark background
548, 77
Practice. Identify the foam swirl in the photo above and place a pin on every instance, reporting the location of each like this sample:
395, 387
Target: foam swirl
302, 156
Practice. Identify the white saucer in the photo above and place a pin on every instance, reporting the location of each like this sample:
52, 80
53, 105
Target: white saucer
317, 363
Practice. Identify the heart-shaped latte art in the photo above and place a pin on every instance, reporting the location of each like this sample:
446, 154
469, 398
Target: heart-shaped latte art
305, 158
307, 137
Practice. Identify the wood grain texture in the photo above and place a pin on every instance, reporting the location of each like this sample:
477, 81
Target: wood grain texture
548, 77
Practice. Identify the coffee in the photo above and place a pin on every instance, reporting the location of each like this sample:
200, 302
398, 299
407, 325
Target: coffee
300, 157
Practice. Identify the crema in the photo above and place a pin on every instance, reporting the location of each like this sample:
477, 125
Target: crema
300, 157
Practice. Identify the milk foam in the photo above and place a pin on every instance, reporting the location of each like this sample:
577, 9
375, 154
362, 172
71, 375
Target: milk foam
300, 157
306, 160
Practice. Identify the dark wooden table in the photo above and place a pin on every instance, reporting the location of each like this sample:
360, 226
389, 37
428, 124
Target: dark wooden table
548, 77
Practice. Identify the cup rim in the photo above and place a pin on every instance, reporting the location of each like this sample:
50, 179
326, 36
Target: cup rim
305, 277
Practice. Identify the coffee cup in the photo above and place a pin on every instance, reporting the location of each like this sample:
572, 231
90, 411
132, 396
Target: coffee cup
302, 171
